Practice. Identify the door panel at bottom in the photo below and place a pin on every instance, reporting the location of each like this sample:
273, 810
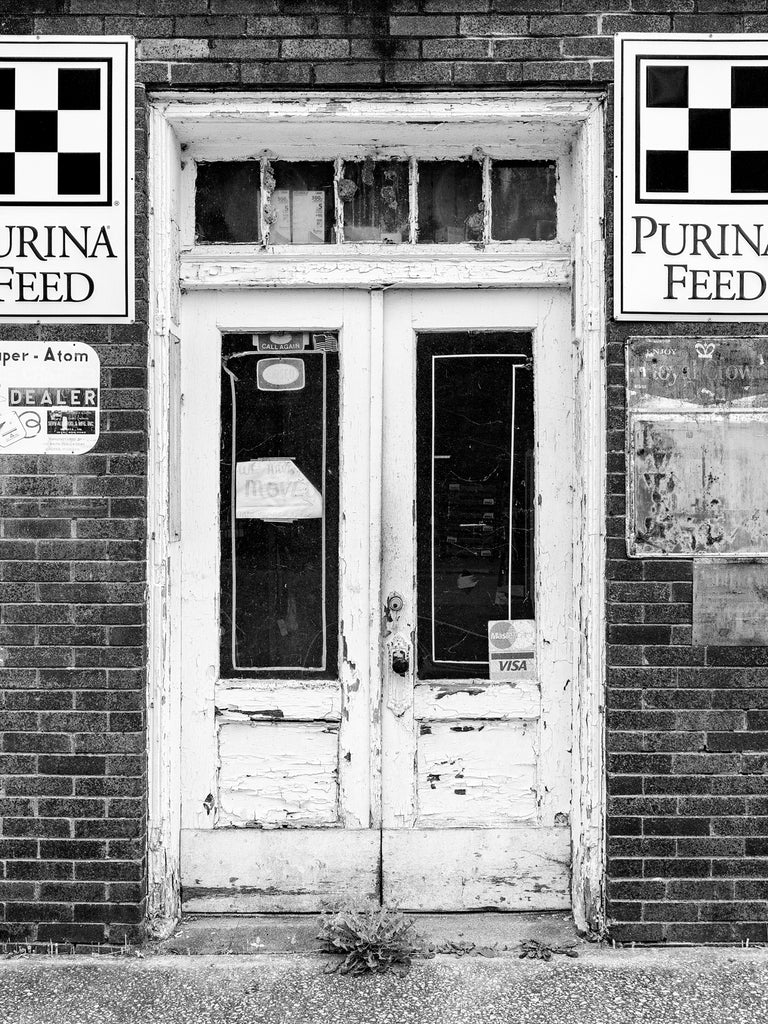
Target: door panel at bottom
471, 869
285, 871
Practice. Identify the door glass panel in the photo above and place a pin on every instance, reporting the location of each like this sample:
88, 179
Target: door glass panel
279, 503
474, 494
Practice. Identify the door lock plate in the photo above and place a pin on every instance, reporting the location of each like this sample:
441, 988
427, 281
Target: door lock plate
399, 685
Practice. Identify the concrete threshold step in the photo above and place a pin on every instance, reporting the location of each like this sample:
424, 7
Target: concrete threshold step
206, 935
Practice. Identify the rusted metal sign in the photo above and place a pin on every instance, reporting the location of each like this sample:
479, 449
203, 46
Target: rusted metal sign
730, 601
697, 412
698, 485
721, 373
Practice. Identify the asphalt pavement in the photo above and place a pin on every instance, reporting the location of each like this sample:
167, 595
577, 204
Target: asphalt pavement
602, 986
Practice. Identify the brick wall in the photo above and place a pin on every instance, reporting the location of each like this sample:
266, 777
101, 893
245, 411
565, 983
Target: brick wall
72, 655
688, 727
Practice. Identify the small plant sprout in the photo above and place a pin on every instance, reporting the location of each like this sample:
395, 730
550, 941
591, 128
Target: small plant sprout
372, 940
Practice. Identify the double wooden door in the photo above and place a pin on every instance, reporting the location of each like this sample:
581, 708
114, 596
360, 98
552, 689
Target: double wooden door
367, 480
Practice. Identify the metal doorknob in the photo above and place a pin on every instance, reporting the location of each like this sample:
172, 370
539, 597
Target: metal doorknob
400, 662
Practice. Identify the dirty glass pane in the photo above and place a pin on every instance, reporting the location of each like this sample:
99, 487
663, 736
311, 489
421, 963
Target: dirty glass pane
375, 197
523, 200
474, 496
301, 209
227, 202
450, 201
279, 503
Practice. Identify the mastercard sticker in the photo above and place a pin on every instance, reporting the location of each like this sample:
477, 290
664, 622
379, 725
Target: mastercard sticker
512, 649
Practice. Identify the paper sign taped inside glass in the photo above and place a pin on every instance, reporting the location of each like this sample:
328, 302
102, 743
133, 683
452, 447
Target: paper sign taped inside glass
275, 489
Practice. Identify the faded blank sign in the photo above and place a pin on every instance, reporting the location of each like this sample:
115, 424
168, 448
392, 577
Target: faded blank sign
730, 604
698, 485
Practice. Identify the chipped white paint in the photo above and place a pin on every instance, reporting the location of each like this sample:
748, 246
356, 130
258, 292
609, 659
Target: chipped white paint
375, 450
206, 315
276, 774
302, 868
354, 555
529, 775
453, 699
255, 871
477, 869
478, 773
163, 676
588, 787
544, 265
293, 701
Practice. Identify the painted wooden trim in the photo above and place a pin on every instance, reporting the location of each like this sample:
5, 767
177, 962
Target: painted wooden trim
291, 700
163, 683
260, 871
547, 120
588, 807
219, 267
354, 560
452, 699
375, 463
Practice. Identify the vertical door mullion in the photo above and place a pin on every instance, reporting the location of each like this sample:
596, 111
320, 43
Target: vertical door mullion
355, 738
376, 450
399, 777
199, 511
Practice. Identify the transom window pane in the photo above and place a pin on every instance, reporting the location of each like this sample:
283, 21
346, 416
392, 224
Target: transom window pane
450, 201
279, 490
474, 494
227, 202
375, 198
523, 204
301, 208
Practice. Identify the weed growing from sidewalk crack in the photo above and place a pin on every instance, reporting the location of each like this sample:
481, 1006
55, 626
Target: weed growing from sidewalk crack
372, 941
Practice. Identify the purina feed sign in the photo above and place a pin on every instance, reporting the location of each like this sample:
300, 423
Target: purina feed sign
691, 188
66, 180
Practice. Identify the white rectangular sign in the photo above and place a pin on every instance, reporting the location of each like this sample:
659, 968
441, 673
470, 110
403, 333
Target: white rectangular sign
49, 397
66, 179
691, 177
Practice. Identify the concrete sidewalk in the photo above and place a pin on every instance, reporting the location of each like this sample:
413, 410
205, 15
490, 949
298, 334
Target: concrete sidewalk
603, 986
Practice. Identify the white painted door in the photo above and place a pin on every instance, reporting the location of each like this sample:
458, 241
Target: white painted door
341, 738
478, 452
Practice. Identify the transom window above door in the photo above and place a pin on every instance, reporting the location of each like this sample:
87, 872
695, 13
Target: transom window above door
396, 200
380, 191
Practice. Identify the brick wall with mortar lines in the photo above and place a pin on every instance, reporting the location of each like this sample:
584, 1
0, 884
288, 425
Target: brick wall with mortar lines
687, 727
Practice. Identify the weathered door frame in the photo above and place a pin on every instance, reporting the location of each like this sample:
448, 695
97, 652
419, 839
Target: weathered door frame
225, 123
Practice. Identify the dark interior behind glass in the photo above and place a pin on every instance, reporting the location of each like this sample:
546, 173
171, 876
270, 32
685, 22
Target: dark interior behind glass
279, 504
474, 503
